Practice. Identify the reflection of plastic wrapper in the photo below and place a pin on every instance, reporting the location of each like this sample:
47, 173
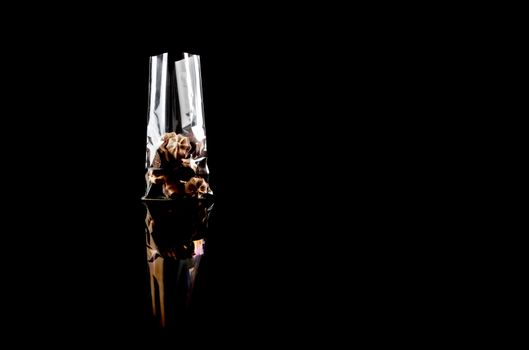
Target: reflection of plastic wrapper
178, 197
176, 233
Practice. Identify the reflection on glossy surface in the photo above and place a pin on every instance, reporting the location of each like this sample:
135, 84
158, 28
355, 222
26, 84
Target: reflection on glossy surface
175, 234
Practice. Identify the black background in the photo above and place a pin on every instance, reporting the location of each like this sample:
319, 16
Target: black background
316, 163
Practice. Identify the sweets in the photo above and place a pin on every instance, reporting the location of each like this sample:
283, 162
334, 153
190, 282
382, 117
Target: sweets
176, 169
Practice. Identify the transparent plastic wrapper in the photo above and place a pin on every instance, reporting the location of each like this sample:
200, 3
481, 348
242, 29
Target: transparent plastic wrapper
178, 197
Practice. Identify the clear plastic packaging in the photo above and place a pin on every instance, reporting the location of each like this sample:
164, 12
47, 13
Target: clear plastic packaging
178, 197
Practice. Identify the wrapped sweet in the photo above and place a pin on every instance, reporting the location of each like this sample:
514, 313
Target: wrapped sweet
178, 197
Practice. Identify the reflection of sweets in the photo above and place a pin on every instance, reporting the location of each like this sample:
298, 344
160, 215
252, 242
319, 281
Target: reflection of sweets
196, 186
